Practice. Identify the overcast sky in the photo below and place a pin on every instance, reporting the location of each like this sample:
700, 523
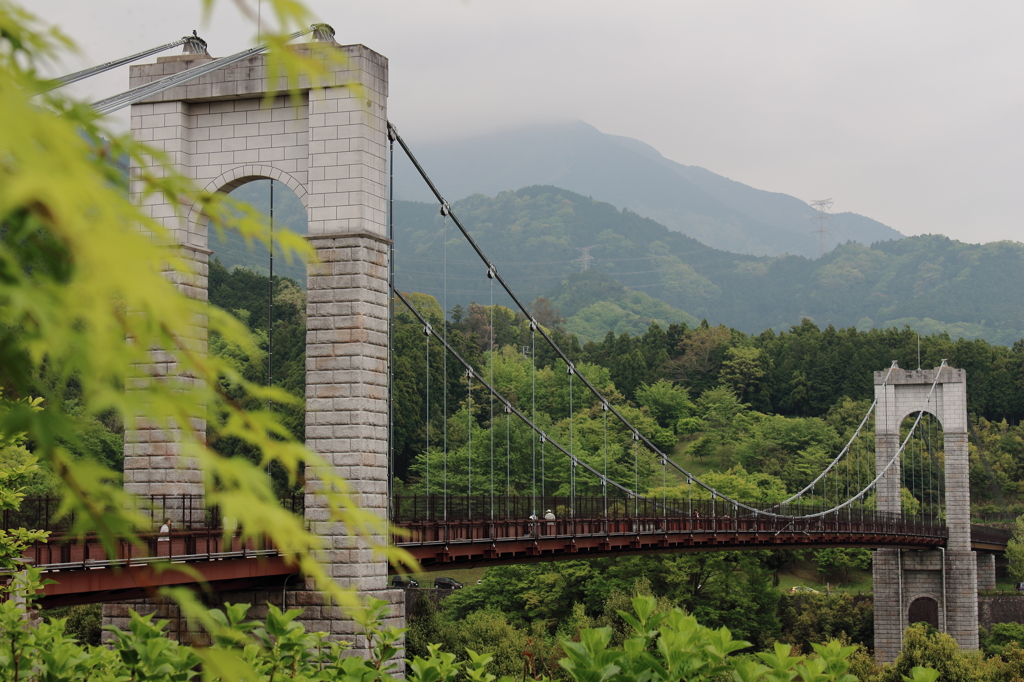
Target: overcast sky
911, 113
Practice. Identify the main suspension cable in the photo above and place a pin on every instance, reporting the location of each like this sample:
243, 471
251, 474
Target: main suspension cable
446, 210
193, 45
142, 92
471, 373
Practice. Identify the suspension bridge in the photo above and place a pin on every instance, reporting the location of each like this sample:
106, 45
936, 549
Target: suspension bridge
899, 485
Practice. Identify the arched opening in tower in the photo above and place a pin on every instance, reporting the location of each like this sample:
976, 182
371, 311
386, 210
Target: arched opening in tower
922, 468
924, 610
268, 294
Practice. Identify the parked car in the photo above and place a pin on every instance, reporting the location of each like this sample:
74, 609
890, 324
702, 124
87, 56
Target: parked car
447, 584
399, 581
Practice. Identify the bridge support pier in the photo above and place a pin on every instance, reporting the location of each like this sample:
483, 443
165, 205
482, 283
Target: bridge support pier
329, 146
986, 571
935, 586
347, 414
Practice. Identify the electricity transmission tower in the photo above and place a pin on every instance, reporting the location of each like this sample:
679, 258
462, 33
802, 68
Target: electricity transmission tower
585, 258
822, 223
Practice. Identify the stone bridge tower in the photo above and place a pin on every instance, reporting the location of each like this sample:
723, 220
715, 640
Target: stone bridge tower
330, 149
942, 583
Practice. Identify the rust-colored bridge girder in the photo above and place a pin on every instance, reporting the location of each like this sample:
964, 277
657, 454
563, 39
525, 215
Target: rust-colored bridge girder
439, 544
989, 539
444, 545
82, 572
70, 552
120, 582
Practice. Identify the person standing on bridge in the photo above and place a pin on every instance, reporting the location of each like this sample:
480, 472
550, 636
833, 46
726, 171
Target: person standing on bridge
550, 518
165, 531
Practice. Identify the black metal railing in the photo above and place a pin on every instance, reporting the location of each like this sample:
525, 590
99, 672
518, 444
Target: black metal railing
197, 544
419, 511
186, 512
989, 535
579, 514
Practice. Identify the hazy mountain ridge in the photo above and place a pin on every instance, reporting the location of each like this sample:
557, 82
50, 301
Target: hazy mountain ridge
630, 174
535, 237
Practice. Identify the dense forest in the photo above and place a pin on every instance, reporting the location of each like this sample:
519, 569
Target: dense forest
710, 393
753, 414
538, 235
713, 397
756, 416
716, 399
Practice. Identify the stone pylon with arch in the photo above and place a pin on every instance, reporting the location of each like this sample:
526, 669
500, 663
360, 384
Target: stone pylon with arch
328, 145
927, 584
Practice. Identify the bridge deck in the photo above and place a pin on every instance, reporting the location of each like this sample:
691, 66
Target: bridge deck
119, 583
82, 572
440, 544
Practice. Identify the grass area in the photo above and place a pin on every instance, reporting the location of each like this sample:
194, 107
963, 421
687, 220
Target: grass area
1004, 585
805, 574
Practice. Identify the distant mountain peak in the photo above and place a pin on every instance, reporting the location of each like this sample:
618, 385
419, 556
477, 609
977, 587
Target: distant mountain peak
628, 173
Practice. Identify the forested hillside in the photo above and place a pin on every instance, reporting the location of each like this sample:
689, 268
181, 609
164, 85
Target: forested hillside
595, 304
246, 294
755, 416
774, 405
706, 392
537, 235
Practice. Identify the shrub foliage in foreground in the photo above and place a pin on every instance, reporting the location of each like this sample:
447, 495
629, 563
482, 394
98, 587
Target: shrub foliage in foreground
667, 646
